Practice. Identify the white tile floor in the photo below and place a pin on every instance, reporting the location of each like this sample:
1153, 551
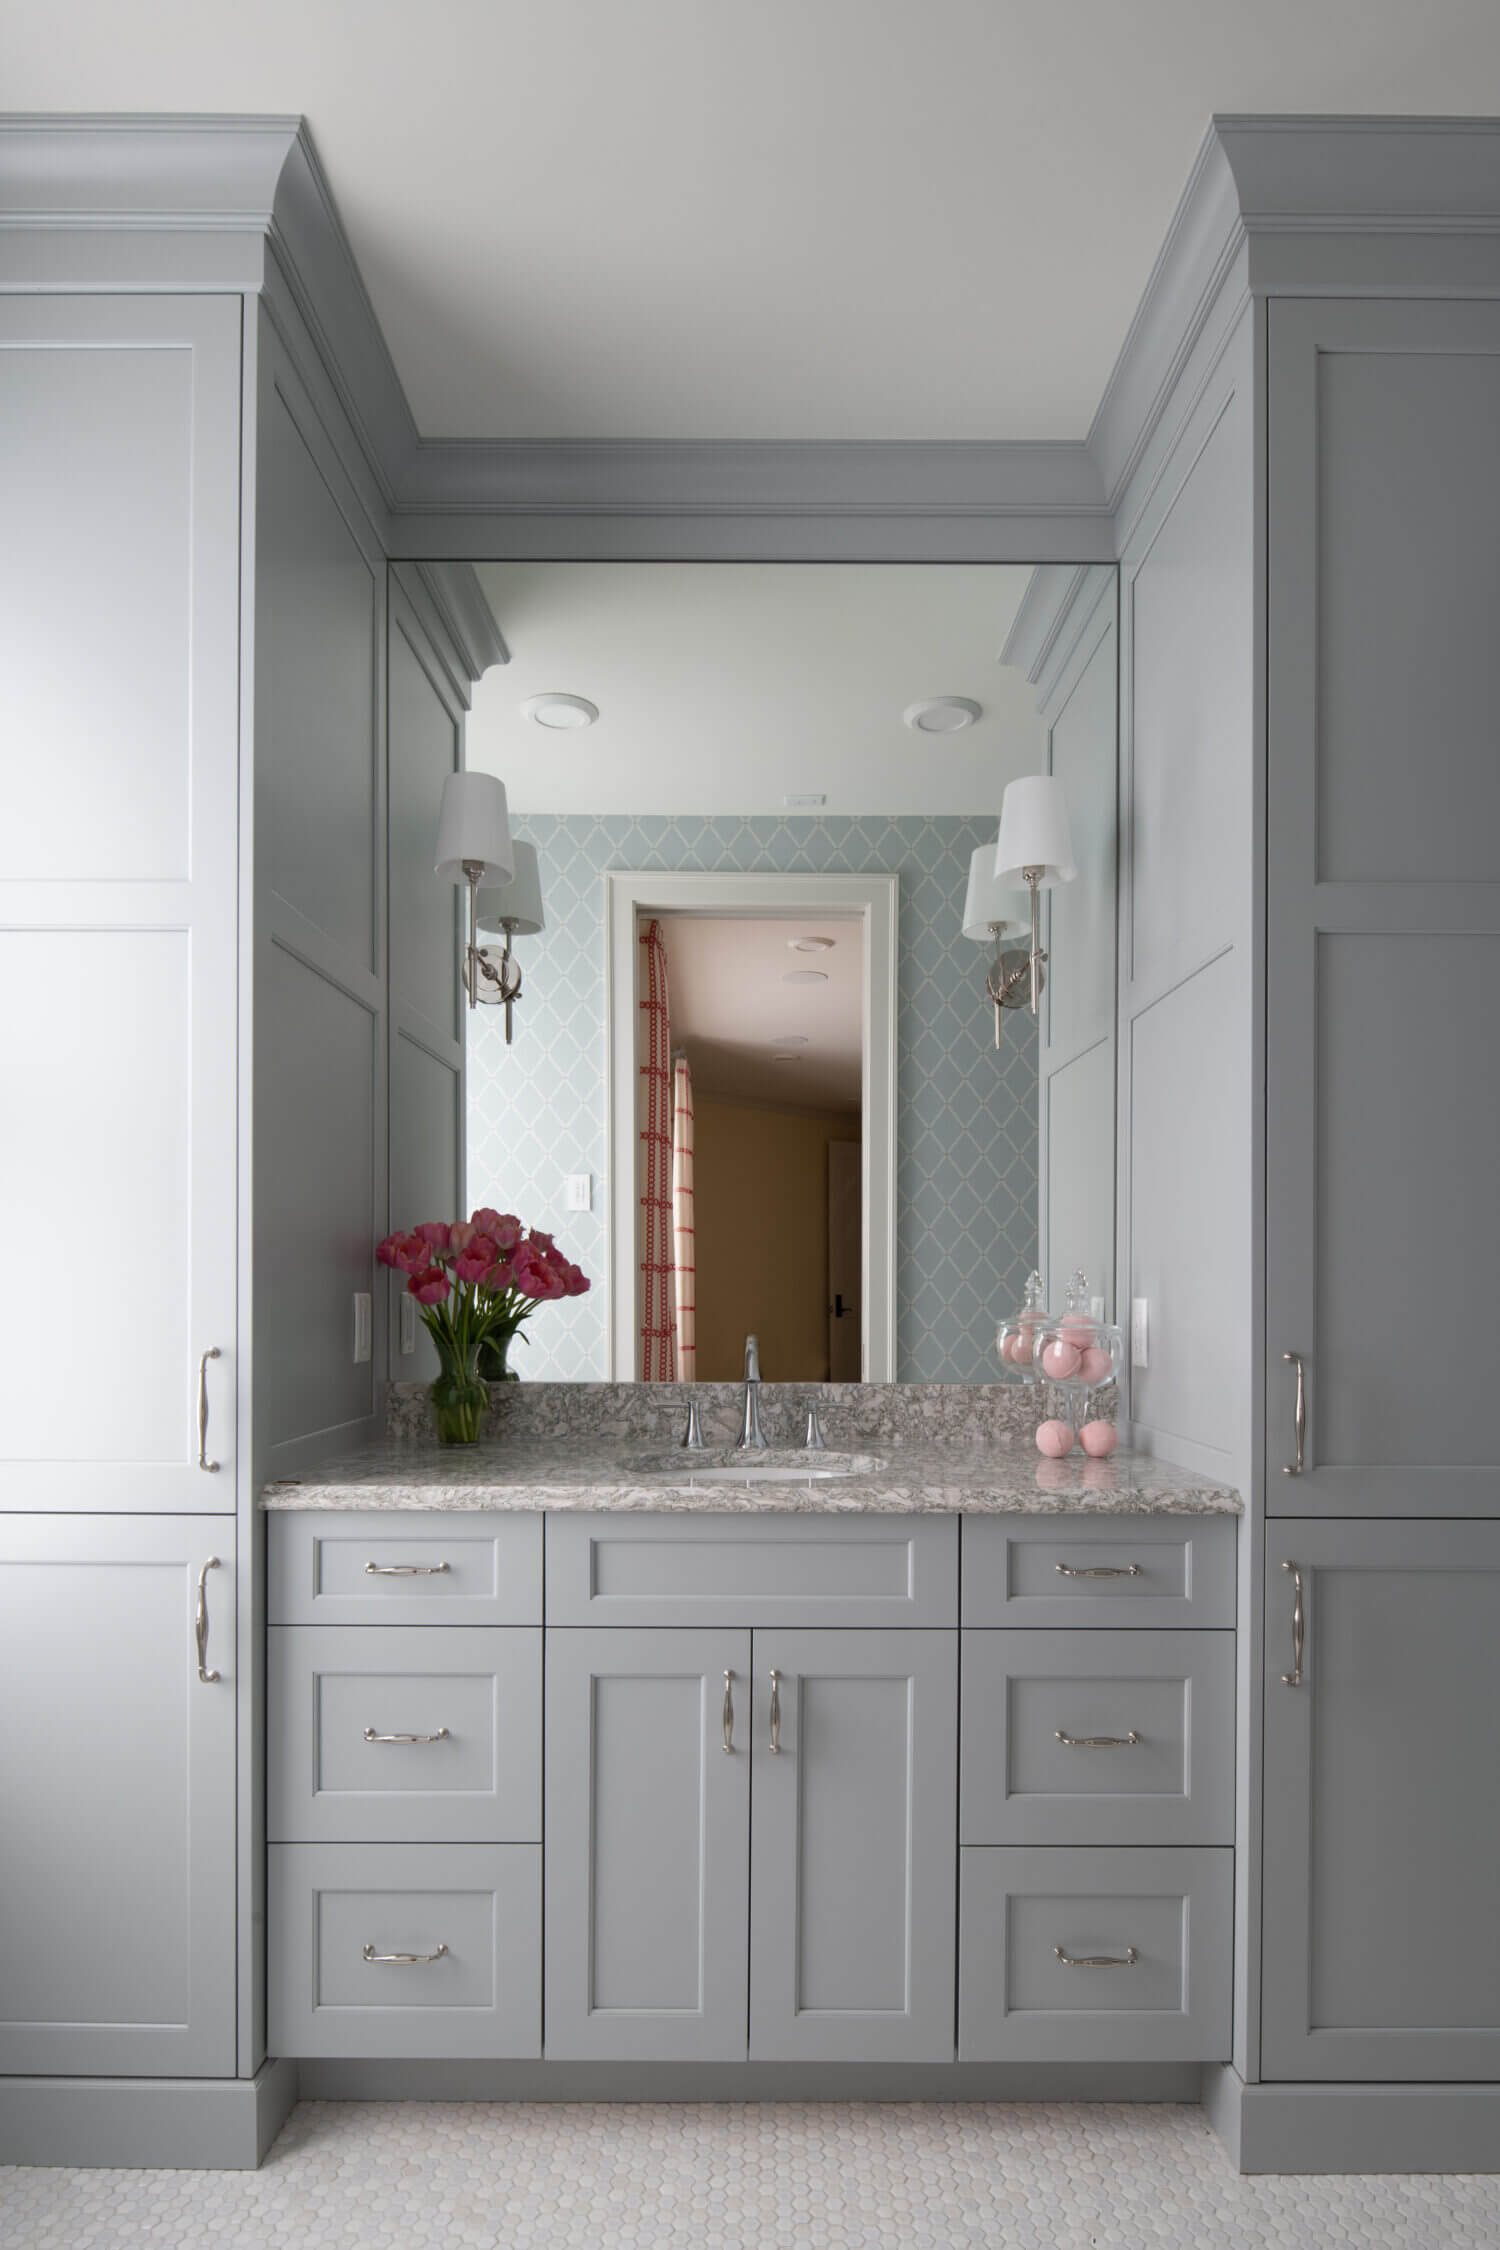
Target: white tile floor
828, 2176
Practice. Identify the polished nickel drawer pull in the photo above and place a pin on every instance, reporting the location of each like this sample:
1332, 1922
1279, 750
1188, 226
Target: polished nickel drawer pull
200, 1622
406, 1569
728, 1713
1103, 1570
1099, 1741
775, 1713
1125, 1960
372, 1736
203, 1461
1299, 1627
1294, 1359
401, 1960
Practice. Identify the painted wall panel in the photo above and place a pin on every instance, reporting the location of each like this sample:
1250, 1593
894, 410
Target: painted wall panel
1079, 1114
426, 743
1081, 914
426, 1138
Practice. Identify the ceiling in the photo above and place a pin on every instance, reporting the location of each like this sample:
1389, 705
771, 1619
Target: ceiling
734, 1012
685, 219
727, 687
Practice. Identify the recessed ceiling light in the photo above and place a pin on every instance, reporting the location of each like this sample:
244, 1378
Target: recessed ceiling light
807, 798
789, 1039
563, 713
786, 1058
805, 976
811, 944
942, 714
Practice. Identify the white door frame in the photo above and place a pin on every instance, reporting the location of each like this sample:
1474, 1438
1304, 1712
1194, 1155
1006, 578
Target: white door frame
872, 899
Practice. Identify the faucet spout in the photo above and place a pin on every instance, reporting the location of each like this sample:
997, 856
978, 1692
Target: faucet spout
750, 1437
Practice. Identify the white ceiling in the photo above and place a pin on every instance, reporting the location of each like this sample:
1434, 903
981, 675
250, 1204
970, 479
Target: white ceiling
725, 687
800, 219
732, 1008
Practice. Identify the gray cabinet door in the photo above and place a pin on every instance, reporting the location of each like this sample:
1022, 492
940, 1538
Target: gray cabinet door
117, 1783
1383, 911
1382, 1804
647, 1830
853, 1859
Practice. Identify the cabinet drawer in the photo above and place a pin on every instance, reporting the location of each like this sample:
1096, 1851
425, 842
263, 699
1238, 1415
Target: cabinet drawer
1020, 1910
476, 1907
752, 1570
378, 1566
1022, 1784
479, 1693
1139, 1571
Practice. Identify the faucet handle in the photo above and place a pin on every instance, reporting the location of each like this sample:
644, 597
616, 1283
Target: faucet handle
692, 1436
752, 1359
814, 1442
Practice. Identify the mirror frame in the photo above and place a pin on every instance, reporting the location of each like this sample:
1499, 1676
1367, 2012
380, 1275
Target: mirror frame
870, 899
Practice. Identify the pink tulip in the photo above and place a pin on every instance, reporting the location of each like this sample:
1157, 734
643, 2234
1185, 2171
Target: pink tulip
461, 1233
543, 1244
500, 1275
406, 1252
505, 1232
429, 1286
435, 1234
475, 1258
534, 1277
575, 1281
386, 1251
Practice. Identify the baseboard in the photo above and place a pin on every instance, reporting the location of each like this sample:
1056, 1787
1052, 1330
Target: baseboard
360, 2081
146, 2124
1322, 2128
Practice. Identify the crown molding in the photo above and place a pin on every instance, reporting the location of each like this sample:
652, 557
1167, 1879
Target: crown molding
460, 600
1053, 614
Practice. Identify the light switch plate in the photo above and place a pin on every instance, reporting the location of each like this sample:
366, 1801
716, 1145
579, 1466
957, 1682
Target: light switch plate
408, 1323
1140, 1332
363, 1316
578, 1191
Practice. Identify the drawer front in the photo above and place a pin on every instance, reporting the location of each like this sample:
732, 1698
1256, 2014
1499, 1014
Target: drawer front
465, 1712
1023, 1784
378, 1566
1019, 1910
476, 1907
1141, 1571
752, 1570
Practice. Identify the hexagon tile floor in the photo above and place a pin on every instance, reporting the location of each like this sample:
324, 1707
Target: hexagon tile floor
820, 2176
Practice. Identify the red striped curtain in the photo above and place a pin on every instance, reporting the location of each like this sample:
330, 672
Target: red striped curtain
658, 1313
683, 1251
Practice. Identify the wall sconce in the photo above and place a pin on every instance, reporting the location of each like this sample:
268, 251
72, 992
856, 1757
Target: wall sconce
989, 911
515, 909
474, 846
1035, 848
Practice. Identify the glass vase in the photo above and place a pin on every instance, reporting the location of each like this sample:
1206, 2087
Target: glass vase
492, 1357
459, 1399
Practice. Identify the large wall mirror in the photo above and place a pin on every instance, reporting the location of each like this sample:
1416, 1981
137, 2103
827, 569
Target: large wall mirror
752, 1081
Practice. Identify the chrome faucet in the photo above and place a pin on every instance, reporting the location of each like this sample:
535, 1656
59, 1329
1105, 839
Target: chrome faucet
750, 1435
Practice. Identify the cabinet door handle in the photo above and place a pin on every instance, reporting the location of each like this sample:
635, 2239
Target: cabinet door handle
200, 1622
372, 1736
406, 1569
1099, 1741
728, 1713
203, 1461
775, 1714
1290, 1469
1125, 1960
1100, 1570
1299, 1627
401, 1960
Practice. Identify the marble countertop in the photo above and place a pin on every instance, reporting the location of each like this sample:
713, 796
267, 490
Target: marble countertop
899, 1479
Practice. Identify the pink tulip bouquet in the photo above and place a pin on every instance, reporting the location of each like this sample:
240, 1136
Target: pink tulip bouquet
477, 1283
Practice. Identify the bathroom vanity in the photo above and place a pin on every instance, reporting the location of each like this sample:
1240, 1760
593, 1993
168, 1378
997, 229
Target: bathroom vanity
632, 1760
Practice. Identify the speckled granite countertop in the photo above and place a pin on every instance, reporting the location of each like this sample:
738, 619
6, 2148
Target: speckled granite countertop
905, 1478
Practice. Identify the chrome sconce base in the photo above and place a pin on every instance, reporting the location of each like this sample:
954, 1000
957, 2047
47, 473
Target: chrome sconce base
1015, 979
491, 978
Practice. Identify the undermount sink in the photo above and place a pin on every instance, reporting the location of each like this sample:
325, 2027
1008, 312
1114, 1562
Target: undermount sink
777, 1466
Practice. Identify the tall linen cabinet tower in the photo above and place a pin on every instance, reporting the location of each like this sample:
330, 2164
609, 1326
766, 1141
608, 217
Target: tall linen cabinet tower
195, 864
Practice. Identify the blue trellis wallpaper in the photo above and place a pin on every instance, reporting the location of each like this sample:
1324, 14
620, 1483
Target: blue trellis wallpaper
966, 1172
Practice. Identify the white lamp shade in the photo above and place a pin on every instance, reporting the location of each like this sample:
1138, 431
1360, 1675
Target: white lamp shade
519, 901
1035, 832
988, 899
475, 826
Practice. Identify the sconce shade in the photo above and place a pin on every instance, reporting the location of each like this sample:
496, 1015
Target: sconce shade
474, 825
1035, 832
988, 900
519, 901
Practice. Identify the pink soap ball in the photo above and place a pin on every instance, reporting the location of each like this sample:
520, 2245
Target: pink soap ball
1099, 1438
1059, 1360
1079, 1327
1096, 1365
1054, 1439
1018, 1350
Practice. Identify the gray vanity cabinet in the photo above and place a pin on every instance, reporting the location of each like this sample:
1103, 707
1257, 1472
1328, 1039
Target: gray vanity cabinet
647, 1824
117, 1812
852, 1856
1382, 1803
